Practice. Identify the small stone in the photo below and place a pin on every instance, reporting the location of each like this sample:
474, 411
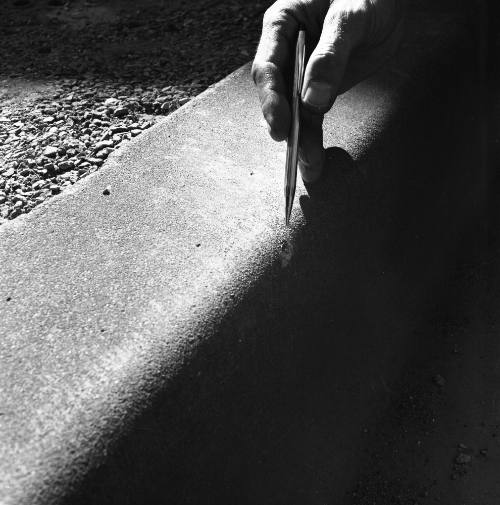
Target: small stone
110, 102
48, 119
50, 151
119, 129
94, 161
104, 153
9, 172
65, 166
97, 114
103, 144
185, 100
55, 189
107, 190
39, 184
121, 111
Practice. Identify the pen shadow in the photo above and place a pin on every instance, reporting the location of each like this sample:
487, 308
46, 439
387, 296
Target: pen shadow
340, 174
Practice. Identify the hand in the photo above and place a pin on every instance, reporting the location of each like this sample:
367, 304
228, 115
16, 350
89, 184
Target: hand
351, 40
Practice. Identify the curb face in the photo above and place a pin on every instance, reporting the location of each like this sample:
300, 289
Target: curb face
172, 340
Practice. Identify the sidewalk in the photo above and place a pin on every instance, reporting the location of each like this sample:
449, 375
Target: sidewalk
169, 339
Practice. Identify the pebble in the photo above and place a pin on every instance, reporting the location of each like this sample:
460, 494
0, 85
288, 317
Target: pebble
39, 184
103, 144
107, 190
104, 153
111, 101
50, 151
65, 165
121, 112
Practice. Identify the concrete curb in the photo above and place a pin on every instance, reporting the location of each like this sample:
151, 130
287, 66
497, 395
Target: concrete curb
174, 342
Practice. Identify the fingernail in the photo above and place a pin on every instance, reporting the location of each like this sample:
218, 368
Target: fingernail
318, 94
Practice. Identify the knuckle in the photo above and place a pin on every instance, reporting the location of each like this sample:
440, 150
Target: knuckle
261, 72
350, 18
273, 21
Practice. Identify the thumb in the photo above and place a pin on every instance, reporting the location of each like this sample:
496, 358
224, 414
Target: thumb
341, 33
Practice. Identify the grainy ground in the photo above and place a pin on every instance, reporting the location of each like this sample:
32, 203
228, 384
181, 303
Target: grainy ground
78, 78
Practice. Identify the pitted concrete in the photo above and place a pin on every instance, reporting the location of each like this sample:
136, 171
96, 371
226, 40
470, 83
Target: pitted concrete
174, 341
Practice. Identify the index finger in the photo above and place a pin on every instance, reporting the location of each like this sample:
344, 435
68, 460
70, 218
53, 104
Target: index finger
271, 64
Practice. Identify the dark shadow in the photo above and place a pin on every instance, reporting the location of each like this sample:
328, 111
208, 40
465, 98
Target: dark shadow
339, 176
275, 405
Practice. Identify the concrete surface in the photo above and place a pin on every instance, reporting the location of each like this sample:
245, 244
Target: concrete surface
173, 342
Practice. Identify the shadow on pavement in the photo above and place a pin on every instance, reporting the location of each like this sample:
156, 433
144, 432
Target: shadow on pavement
279, 404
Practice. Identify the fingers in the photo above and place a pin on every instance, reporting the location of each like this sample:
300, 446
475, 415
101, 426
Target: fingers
311, 152
343, 30
272, 94
271, 64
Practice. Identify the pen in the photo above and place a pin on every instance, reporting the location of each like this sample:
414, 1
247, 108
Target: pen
293, 137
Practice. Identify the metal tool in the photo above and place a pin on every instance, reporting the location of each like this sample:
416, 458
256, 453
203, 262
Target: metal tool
293, 137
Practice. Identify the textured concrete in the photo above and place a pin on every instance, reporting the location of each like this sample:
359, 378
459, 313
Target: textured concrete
173, 341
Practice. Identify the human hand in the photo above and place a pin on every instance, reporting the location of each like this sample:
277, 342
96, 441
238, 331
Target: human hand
351, 40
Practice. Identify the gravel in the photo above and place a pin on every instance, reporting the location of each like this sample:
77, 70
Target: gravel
78, 79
